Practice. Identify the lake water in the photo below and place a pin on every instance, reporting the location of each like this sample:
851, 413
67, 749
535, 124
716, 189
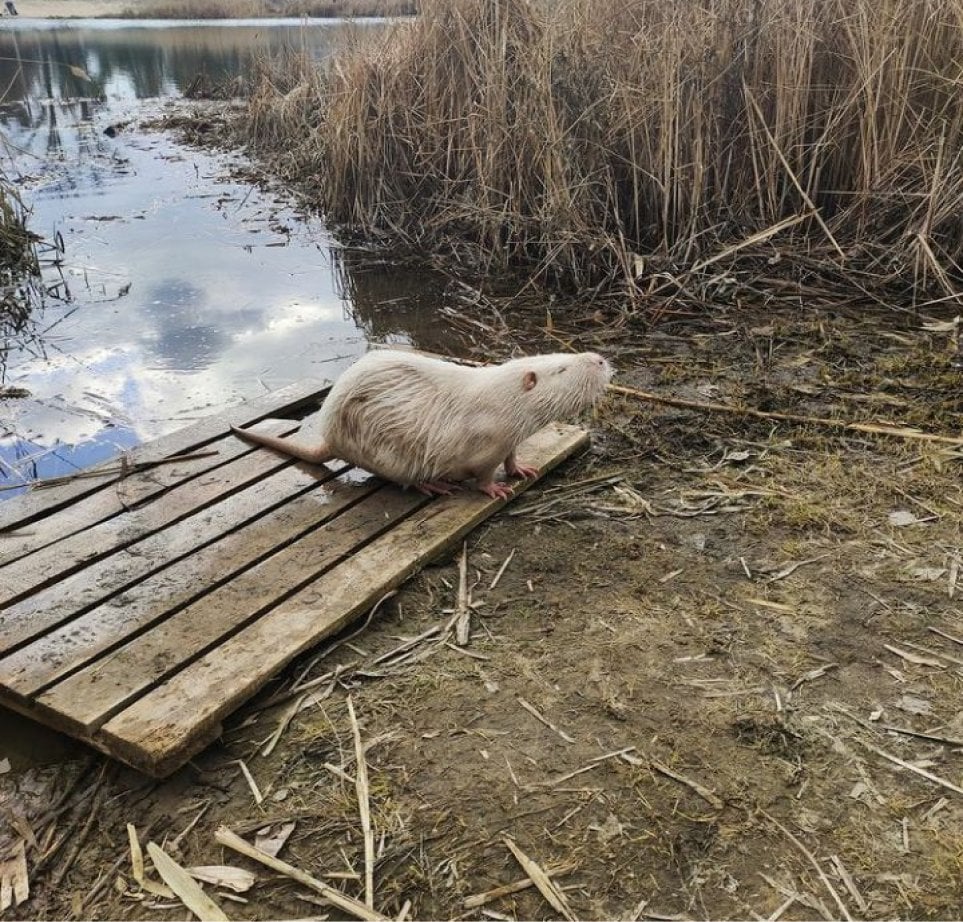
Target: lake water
189, 291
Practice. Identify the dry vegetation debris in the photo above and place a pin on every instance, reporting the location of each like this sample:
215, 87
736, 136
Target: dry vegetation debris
710, 670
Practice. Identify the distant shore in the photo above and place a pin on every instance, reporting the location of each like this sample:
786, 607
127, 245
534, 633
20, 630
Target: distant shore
71, 9
204, 9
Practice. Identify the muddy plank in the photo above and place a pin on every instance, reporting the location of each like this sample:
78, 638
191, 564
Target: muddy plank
161, 730
146, 604
69, 597
90, 697
120, 497
54, 561
300, 396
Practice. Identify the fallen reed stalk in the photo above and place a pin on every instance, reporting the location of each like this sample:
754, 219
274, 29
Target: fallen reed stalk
899, 432
625, 142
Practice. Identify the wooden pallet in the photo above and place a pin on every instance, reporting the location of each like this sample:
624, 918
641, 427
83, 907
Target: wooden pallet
137, 612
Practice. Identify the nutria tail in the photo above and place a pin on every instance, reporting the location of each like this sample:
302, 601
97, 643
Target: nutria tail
316, 454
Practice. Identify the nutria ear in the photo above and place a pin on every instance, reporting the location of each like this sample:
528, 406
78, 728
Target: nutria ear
529, 381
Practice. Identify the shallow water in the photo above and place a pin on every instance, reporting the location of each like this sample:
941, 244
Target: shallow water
189, 291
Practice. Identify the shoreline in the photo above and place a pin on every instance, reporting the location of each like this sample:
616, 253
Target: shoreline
70, 9
113, 9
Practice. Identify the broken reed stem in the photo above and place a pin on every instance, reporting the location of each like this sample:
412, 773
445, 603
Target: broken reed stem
824, 421
107, 878
480, 899
785, 165
542, 881
121, 470
541, 718
812, 860
463, 610
700, 789
501, 570
922, 772
364, 807
351, 906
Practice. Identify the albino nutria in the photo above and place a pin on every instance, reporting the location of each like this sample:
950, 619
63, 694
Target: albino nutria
424, 422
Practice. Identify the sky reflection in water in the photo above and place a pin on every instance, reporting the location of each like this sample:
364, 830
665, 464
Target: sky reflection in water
230, 294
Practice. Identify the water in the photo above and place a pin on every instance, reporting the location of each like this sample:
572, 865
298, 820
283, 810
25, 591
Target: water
189, 291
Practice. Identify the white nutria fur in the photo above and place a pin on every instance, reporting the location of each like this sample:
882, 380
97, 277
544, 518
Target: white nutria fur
424, 422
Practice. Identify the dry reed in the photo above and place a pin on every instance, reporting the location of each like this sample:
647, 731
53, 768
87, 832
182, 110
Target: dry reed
18, 263
679, 147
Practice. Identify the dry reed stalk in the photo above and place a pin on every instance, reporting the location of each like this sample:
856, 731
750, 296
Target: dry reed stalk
344, 903
822, 421
364, 807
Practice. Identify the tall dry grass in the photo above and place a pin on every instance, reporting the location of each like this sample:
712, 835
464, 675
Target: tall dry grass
18, 263
661, 142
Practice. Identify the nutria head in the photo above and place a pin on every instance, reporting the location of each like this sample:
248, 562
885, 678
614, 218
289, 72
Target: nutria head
560, 385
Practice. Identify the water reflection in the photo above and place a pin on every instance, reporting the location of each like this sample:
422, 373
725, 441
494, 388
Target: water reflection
58, 75
191, 290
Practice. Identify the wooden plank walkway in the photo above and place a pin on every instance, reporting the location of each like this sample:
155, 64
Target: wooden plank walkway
137, 612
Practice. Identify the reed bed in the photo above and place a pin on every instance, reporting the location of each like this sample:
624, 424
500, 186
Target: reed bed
250, 9
713, 149
19, 264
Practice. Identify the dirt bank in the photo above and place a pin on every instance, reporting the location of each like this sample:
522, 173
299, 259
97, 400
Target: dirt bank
716, 678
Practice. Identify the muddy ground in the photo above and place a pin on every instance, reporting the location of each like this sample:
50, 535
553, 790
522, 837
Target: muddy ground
738, 643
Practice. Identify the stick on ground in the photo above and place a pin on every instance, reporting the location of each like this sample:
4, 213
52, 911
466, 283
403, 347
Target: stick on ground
700, 789
812, 860
364, 807
336, 897
542, 719
480, 899
824, 421
542, 881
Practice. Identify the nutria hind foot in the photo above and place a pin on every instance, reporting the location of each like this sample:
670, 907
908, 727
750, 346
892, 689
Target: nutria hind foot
525, 471
514, 469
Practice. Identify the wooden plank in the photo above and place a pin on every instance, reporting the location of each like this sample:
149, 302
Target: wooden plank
122, 496
55, 561
90, 697
160, 731
81, 639
300, 396
69, 597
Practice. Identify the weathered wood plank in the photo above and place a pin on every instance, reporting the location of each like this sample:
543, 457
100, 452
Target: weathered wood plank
47, 608
81, 639
302, 395
54, 561
161, 730
119, 497
88, 698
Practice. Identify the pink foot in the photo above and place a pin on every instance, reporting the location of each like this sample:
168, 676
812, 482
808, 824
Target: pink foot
522, 470
437, 488
496, 490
